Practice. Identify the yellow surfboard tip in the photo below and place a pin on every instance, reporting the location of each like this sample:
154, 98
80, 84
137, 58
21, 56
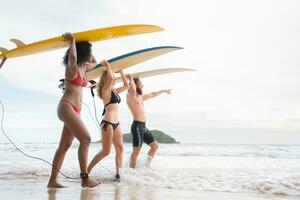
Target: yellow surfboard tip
159, 28
150, 26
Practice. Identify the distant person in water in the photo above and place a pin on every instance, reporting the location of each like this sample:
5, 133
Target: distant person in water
140, 133
110, 126
77, 60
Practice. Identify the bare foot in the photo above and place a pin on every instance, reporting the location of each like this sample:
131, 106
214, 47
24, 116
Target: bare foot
86, 182
54, 184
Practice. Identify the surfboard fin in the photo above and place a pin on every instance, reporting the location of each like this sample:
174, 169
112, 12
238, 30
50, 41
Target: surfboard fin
17, 42
2, 49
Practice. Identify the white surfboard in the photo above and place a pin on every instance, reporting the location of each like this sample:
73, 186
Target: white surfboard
130, 59
151, 73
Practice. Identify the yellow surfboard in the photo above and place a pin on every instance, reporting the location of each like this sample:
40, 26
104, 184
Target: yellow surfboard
99, 34
130, 59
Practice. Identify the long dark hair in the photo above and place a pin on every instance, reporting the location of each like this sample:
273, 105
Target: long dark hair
84, 51
138, 90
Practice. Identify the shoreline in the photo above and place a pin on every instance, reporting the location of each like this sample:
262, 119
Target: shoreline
36, 189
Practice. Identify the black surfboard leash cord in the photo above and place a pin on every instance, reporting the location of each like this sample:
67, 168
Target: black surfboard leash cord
41, 159
2, 62
25, 154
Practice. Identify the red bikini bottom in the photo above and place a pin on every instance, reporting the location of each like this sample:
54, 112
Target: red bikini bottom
75, 108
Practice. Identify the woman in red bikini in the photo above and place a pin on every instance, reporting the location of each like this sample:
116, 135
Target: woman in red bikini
78, 59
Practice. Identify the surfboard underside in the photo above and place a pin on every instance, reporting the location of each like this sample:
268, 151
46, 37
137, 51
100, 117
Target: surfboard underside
128, 60
90, 35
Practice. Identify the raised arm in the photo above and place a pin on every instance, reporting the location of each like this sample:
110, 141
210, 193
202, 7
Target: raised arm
110, 76
92, 64
125, 83
132, 86
155, 94
72, 52
71, 70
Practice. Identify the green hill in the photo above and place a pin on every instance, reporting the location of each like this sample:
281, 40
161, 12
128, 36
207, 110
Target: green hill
160, 137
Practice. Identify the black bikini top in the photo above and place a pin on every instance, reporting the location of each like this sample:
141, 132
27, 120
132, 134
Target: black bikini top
114, 98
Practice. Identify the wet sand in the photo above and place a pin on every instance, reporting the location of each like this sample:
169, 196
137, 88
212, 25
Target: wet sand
36, 189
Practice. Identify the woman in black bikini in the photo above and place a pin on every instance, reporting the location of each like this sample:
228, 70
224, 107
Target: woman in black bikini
111, 131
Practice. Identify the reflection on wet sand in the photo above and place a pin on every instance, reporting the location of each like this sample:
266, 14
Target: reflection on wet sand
109, 191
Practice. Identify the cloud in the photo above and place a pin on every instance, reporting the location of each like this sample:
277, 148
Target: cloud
246, 54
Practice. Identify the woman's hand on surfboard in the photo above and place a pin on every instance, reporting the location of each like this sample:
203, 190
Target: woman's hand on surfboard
104, 63
129, 76
120, 71
68, 36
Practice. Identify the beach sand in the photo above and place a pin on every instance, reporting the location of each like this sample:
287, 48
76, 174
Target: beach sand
33, 189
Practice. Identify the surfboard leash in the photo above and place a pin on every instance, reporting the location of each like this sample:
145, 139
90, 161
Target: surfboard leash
93, 95
2, 62
33, 157
41, 159
94, 118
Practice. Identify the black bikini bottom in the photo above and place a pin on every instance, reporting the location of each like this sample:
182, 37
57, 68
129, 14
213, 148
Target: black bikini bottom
105, 123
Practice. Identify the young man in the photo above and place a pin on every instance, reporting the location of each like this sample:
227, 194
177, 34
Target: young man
139, 131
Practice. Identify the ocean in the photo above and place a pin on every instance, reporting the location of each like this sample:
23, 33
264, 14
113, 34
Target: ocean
256, 169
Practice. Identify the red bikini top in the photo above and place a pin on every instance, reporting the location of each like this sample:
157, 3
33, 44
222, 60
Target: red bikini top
78, 81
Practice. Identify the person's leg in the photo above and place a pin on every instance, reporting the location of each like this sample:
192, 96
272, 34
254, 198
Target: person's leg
64, 144
107, 138
151, 153
76, 126
134, 155
150, 140
153, 149
137, 142
118, 143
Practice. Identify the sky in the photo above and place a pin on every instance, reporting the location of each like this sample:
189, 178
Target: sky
245, 89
